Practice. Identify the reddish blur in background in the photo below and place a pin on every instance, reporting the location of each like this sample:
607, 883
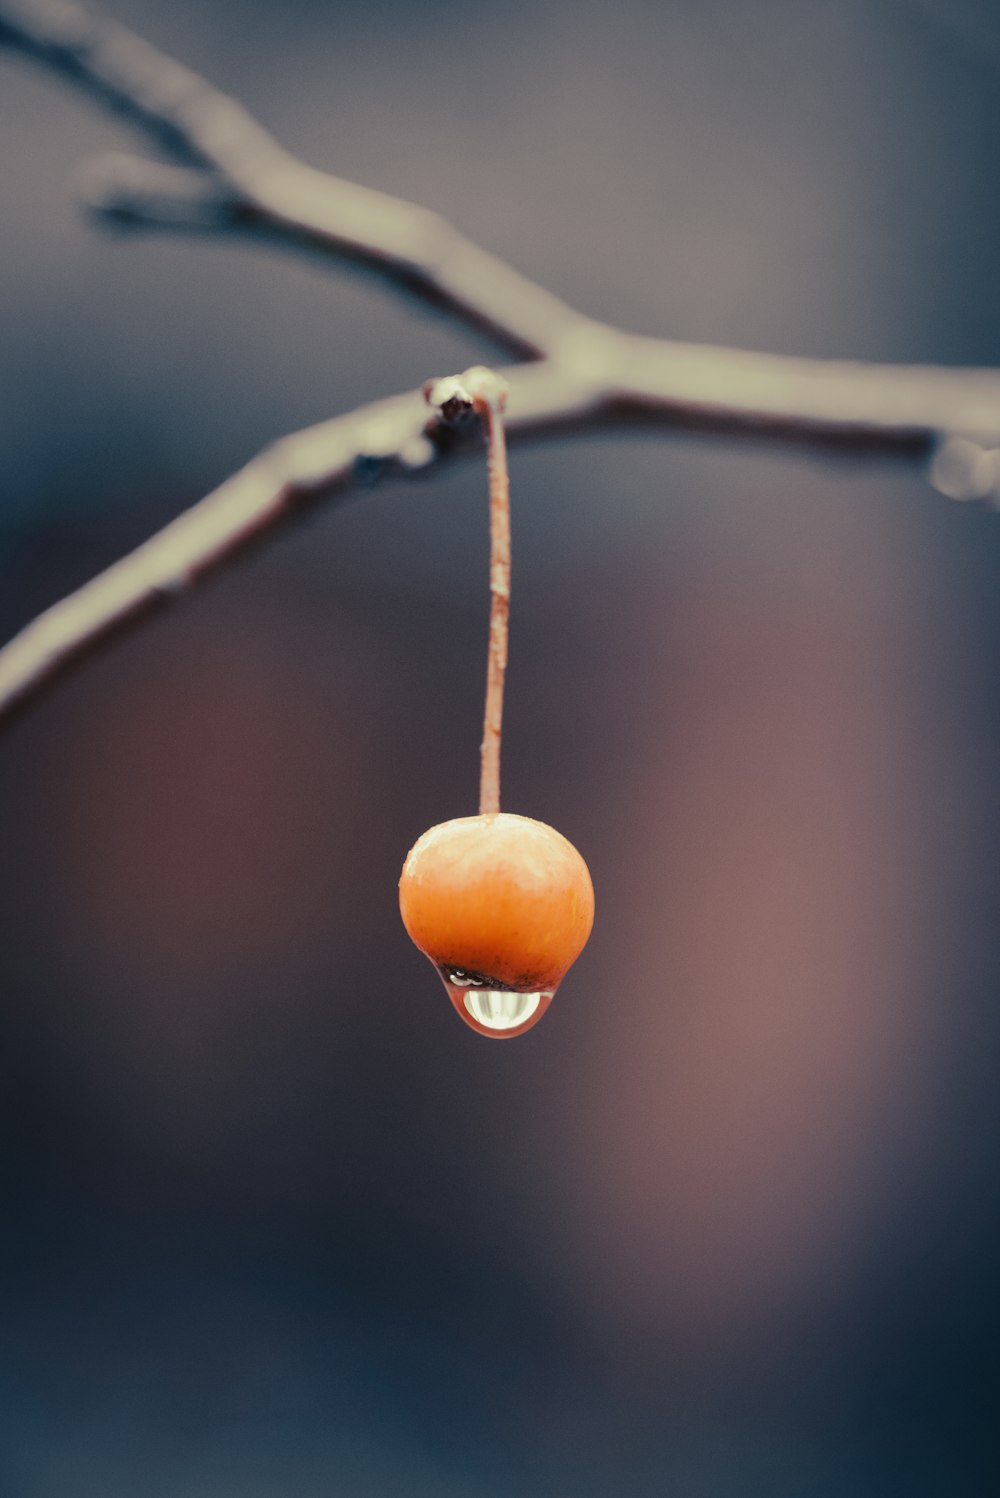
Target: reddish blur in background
275, 1224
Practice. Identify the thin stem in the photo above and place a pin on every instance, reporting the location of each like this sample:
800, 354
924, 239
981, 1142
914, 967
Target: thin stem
496, 663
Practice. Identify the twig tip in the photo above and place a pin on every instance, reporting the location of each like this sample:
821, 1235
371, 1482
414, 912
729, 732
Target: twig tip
476, 390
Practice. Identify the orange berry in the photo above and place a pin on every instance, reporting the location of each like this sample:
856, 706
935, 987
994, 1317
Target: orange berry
502, 906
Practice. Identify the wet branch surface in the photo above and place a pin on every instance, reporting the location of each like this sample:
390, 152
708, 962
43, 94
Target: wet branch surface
228, 175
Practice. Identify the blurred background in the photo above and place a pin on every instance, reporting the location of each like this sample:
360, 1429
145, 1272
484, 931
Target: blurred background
726, 1223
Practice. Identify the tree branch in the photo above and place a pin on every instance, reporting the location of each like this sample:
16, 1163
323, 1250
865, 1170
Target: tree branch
201, 126
389, 438
230, 175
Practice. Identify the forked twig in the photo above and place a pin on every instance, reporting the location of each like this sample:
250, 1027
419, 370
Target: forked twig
230, 175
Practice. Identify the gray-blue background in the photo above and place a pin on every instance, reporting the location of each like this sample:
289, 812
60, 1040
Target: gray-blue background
273, 1223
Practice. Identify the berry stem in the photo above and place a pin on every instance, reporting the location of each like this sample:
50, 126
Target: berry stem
491, 412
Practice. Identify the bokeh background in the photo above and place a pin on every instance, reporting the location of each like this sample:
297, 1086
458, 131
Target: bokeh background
726, 1223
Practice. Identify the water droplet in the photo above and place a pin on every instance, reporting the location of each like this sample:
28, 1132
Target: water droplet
489, 1009
462, 979
964, 470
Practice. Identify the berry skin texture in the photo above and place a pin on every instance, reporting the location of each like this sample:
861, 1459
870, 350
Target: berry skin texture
497, 902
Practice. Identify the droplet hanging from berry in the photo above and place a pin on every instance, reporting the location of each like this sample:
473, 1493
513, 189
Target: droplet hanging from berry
499, 1012
502, 906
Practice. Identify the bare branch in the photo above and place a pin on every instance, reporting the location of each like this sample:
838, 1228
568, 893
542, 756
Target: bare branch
393, 439
233, 176
406, 244
278, 485
388, 438
245, 180
884, 407
132, 190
